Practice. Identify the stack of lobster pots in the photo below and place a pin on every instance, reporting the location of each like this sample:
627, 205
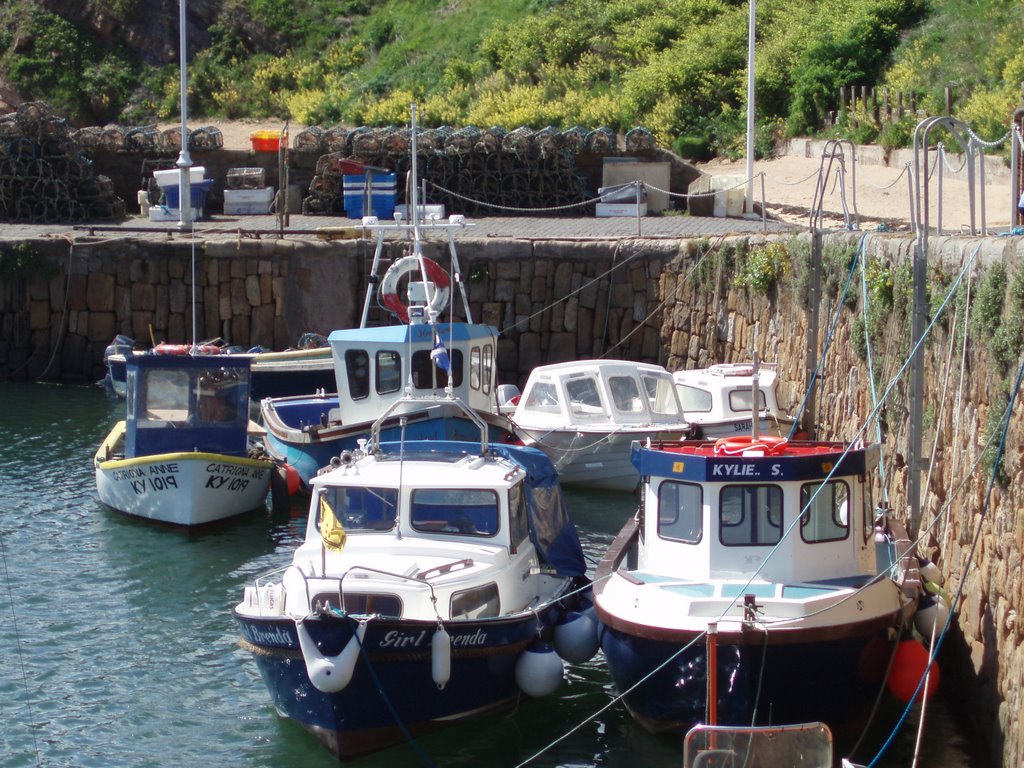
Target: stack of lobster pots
470, 170
45, 177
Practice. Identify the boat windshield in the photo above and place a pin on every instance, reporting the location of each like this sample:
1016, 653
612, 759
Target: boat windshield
455, 510
361, 508
661, 395
694, 399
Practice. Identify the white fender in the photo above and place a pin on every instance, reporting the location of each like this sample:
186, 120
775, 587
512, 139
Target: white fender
576, 637
330, 674
441, 657
539, 670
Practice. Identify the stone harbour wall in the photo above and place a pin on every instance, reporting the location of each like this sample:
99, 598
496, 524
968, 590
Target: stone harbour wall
681, 303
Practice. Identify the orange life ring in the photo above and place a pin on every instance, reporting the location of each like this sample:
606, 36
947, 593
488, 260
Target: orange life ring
740, 443
389, 286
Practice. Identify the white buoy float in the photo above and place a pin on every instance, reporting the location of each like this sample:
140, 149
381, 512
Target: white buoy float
329, 674
539, 670
441, 657
576, 636
931, 615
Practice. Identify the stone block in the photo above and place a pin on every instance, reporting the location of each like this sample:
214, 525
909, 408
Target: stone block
38, 315
100, 325
252, 290
99, 292
78, 292
143, 297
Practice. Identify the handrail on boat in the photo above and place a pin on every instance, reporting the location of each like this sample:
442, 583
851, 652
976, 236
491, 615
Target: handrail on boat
472, 415
616, 553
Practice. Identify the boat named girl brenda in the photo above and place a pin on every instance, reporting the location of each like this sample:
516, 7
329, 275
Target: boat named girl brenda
431, 578
757, 584
181, 455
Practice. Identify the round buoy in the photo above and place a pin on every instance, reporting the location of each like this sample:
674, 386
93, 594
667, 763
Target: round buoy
539, 670
932, 613
576, 637
929, 571
908, 669
294, 482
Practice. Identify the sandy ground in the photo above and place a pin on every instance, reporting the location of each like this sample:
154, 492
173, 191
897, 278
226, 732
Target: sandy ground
874, 194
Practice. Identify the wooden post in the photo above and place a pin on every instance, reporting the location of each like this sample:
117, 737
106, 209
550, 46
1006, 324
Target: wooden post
887, 104
899, 105
949, 100
842, 100
874, 105
864, 99
913, 104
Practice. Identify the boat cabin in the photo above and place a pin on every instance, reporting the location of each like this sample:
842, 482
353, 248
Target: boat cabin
410, 529
374, 367
720, 400
789, 513
177, 402
598, 393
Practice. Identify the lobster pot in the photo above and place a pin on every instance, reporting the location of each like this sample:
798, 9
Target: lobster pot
379, 188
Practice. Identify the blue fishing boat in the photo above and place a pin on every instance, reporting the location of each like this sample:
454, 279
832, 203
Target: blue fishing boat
433, 583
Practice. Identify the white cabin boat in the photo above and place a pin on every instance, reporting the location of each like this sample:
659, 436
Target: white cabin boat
432, 578
586, 414
757, 585
719, 400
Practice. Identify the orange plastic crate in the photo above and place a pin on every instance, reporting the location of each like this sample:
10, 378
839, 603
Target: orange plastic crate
265, 141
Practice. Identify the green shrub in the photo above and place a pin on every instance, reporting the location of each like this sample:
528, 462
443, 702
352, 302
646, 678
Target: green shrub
763, 267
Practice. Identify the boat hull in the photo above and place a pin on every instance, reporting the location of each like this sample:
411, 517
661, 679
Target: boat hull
391, 691
294, 434
760, 681
595, 458
184, 489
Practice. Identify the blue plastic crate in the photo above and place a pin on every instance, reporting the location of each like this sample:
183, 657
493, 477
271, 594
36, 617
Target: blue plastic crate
197, 193
382, 195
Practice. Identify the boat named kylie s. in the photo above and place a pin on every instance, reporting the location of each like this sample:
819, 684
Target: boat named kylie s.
432, 578
181, 455
756, 585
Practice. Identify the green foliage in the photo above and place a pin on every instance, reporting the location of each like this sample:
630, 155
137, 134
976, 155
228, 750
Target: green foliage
859, 338
987, 311
677, 67
995, 423
56, 61
897, 135
763, 267
879, 279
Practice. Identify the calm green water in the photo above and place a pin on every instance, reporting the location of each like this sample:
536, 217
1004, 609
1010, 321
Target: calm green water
118, 647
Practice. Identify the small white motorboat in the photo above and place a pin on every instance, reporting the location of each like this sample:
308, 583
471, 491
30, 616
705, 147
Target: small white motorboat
719, 400
181, 455
586, 414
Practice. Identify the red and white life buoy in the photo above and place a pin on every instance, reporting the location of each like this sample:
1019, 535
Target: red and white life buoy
740, 443
398, 305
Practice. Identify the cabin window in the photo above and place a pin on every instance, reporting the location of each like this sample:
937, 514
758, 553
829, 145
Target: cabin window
217, 392
543, 396
519, 527
824, 511
358, 603
164, 396
389, 371
585, 398
467, 511
740, 400
487, 373
357, 366
661, 395
476, 603
426, 374
625, 394
474, 368
750, 515
680, 512
356, 508
694, 399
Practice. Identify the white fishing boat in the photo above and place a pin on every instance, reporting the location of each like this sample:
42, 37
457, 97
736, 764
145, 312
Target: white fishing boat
181, 455
432, 580
757, 584
586, 414
718, 400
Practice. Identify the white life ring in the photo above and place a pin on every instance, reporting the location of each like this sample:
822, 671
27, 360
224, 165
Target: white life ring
398, 305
